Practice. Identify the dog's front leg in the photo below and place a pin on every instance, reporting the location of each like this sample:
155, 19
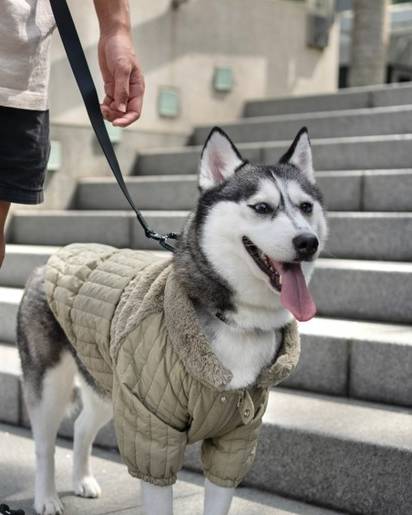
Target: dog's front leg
217, 499
157, 500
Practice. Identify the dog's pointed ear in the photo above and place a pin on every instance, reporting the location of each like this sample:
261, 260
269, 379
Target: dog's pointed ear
219, 160
300, 154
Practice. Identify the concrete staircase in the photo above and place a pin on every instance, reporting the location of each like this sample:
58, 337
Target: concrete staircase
338, 434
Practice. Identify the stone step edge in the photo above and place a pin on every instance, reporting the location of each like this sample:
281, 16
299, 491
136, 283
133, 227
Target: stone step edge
24, 213
379, 138
254, 120
142, 179
377, 88
367, 331
365, 265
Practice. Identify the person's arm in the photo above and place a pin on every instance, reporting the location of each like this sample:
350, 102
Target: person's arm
122, 77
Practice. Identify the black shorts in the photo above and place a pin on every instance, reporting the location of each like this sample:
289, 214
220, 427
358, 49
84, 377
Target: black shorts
24, 152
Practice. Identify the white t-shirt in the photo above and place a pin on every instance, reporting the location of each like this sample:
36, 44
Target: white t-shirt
25, 31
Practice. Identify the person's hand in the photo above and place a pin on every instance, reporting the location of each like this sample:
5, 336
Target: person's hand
123, 80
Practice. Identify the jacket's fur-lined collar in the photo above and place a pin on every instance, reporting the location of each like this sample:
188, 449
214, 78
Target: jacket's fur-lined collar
196, 353
159, 290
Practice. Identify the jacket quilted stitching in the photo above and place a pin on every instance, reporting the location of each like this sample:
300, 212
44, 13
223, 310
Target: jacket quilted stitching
136, 332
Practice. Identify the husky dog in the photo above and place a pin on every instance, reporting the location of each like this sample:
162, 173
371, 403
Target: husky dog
245, 258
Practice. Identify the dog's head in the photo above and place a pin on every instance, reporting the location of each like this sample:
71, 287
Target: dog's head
262, 227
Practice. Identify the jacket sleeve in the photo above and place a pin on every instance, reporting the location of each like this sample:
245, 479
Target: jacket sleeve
227, 459
152, 450
151, 443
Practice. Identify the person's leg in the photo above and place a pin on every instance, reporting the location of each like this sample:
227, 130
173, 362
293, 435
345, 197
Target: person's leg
4, 209
24, 152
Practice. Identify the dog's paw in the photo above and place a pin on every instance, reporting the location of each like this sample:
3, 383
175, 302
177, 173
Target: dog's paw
87, 487
49, 506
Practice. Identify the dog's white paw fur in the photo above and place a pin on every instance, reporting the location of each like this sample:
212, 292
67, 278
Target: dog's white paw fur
49, 506
87, 487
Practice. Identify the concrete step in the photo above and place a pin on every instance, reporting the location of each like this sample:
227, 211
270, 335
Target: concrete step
353, 235
357, 153
366, 190
373, 190
348, 455
117, 228
363, 290
10, 390
383, 236
360, 360
121, 493
331, 124
379, 190
353, 98
20, 260
170, 192
9, 302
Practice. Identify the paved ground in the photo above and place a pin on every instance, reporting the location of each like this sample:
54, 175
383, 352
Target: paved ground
121, 493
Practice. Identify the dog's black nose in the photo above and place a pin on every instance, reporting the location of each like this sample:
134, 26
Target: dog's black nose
306, 244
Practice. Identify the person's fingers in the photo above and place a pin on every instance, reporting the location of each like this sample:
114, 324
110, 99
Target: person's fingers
126, 119
105, 107
117, 118
107, 101
133, 105
109, 88
134, 110
107, 113
121, 86
137, 88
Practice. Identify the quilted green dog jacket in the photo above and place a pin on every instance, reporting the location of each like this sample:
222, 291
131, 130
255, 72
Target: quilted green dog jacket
136, 331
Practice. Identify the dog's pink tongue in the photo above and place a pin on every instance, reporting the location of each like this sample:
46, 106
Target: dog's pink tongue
295, 295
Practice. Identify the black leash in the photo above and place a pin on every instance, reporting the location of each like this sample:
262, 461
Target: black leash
5, 510
81, 72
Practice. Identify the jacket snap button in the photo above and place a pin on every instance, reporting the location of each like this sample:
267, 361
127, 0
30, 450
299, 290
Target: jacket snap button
247, 412
223, 398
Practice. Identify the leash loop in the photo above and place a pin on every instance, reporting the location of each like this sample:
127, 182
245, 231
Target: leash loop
84, 80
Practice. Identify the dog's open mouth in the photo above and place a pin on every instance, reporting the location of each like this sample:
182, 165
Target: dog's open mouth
264, 263
287, 279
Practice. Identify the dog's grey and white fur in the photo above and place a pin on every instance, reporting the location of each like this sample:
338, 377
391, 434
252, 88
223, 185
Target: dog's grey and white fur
245, 213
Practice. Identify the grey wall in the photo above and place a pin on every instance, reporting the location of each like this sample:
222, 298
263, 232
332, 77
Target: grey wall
264, 42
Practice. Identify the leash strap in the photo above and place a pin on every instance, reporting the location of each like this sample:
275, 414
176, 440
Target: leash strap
81, 72
6, 510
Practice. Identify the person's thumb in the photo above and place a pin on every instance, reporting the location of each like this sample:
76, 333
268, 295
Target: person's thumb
121, 86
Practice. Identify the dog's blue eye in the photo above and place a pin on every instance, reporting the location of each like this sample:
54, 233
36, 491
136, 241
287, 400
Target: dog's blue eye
262, 208
306, 207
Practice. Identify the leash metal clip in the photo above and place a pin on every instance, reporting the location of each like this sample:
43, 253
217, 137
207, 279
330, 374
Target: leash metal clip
162, 238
